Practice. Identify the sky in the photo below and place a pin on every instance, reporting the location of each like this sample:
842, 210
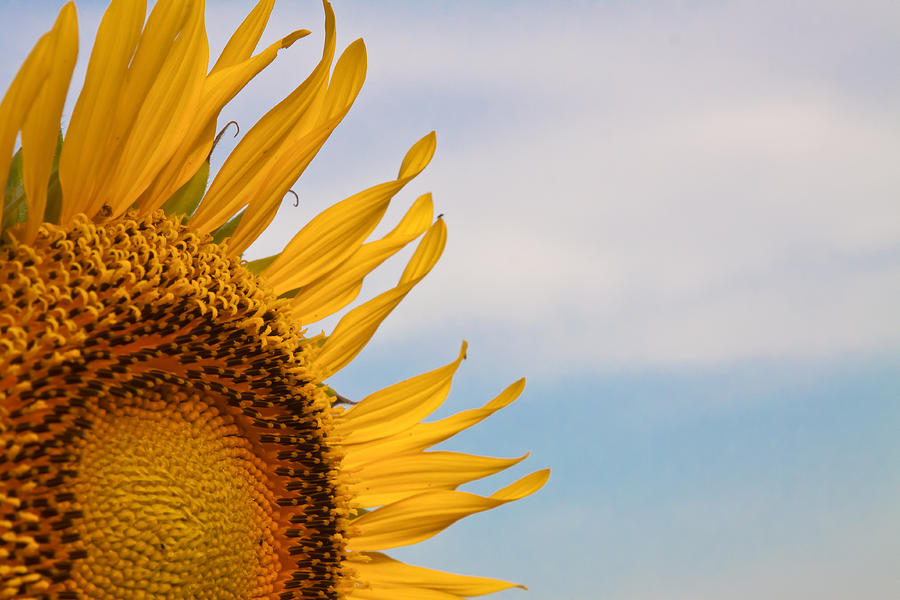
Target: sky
679, 221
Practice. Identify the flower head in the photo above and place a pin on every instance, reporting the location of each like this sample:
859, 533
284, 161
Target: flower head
166, 427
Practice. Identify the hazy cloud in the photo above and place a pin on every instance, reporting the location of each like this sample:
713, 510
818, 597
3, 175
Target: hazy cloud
676, 183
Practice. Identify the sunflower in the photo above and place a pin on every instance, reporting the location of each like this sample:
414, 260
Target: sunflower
165, 422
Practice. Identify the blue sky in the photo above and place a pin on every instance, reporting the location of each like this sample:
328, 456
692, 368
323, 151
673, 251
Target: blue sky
679, 220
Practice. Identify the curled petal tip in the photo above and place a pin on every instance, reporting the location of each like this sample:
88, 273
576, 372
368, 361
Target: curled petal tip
292, 37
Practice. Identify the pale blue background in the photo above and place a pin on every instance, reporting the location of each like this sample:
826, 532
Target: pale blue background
680, 220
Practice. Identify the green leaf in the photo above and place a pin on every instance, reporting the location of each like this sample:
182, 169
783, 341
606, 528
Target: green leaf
15, 209
184, 202
291, 293
227, 230
54, 189
15, 205
259, 265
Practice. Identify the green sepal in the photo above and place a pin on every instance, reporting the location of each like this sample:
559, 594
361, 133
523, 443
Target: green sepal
15, 205
317, 341
259, 265
15, 209
227, 230
358, 512
185, 201
291, 293
54, 189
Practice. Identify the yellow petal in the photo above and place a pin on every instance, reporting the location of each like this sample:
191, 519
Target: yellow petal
245, 38
523, 487
218, 89
290, 160
426, 255
420, 517
382, 570
397, 407
346, 81
21, 95
358, 326
240, 177
86, 153
19, 98
40, 132
425, 435
397, 477
336, 289
167, 107
336, 233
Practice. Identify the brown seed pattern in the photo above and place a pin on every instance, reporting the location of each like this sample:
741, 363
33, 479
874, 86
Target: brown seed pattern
117, 341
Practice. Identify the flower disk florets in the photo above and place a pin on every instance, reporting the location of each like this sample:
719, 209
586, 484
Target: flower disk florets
159, 424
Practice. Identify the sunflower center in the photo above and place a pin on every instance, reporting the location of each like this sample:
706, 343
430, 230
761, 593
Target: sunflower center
161, 436
174, 504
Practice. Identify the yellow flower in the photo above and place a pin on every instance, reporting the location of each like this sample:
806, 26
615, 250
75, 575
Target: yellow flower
165, 428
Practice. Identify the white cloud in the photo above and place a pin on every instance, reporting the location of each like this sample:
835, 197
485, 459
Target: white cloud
764, 230
681, 191
624, 185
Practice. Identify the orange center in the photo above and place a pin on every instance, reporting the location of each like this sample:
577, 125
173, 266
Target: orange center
174, 503
160, 434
